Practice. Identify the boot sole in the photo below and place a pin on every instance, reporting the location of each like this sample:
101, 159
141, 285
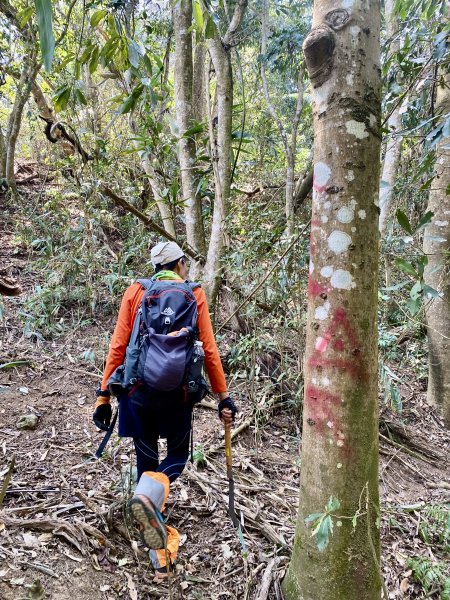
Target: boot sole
153, 530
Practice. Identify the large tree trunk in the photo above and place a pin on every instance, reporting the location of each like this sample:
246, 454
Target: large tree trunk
184, 114
340, 418
394, 125
437, 273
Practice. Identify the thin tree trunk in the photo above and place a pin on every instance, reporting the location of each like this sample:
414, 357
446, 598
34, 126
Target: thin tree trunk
184, 114
437, 273
24, 86
394, 141
340, 417
199, 83
2, 154
290, 146
219, 51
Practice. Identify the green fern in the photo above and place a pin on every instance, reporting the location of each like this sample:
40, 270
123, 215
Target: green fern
429, 574
435, 526
445, 594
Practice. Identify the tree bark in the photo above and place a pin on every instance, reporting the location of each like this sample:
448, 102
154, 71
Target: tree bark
2, 154
437, 273
290, 146
24, 86
340, 417
394, 124
219, 51
184, 114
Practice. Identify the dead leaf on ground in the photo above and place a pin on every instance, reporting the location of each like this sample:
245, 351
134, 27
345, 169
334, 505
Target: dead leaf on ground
131, 587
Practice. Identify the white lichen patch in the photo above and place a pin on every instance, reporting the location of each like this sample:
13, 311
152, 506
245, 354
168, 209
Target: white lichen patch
327, 205
339, 466
342, 280
350, 175
362, 214
353, 229
339, 443
324, 219
322, 174
441, 223
339, 241
321, 312
356, 128
349, 79
348, 3
311, 266
321, 95
326, 271
354, 30
345, 214
330, 424
325, 381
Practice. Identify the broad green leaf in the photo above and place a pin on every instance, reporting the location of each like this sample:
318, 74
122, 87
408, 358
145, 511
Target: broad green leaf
406, 266
313, 517
197, 128
323, 534
421, 264
333, 504
414, 305
131, 101
24, 16
430, 292
198, 15
61, 97
403, 221
45, 27
80, 97
94, 60
97, 17
134, 53
148, 64
425, 220
209, 28
416, 290
16, 363
85, 56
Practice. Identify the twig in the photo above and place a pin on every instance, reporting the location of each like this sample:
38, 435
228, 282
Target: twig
151, 224
41, 568
7, 479
264, 279
267, 578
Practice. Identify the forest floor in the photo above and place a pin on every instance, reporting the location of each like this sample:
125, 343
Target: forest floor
64, 532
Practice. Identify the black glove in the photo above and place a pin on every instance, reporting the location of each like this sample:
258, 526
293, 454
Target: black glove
227, 403
102, 416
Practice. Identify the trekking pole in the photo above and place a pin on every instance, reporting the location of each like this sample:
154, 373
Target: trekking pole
231, 510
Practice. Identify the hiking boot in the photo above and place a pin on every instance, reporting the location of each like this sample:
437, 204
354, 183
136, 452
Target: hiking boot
151, 521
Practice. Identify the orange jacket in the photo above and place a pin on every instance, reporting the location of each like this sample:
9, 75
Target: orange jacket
131, 302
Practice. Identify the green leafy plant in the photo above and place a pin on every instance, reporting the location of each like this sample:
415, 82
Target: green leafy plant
435, 526
322, 523
431, 575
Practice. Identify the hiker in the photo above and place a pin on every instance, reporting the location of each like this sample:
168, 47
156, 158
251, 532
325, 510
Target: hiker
163, 409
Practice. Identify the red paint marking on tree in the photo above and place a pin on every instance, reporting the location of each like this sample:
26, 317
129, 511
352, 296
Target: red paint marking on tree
343, 352
320, 406
315, 288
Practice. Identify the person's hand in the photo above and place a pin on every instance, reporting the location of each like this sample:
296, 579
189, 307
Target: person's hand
102, 416
227, 410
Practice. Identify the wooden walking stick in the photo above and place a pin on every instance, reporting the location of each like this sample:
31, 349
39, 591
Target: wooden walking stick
229, 459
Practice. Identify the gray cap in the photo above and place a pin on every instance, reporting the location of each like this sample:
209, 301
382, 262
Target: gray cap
165, 252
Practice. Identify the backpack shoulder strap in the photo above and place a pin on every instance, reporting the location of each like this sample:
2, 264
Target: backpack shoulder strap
146, 283
193, 285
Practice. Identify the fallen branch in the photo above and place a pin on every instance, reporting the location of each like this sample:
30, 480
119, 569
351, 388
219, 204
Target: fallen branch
188, 250
267, 578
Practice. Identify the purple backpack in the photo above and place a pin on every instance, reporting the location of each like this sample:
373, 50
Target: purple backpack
154, 357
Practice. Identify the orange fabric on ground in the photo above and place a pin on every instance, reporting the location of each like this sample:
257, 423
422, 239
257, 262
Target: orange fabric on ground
127, 313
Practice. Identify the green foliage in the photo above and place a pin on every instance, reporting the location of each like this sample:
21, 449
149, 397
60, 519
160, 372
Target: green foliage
322, 523
45, 28
431, 575
435, 526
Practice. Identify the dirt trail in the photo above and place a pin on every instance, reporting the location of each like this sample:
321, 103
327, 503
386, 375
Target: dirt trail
63, 525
